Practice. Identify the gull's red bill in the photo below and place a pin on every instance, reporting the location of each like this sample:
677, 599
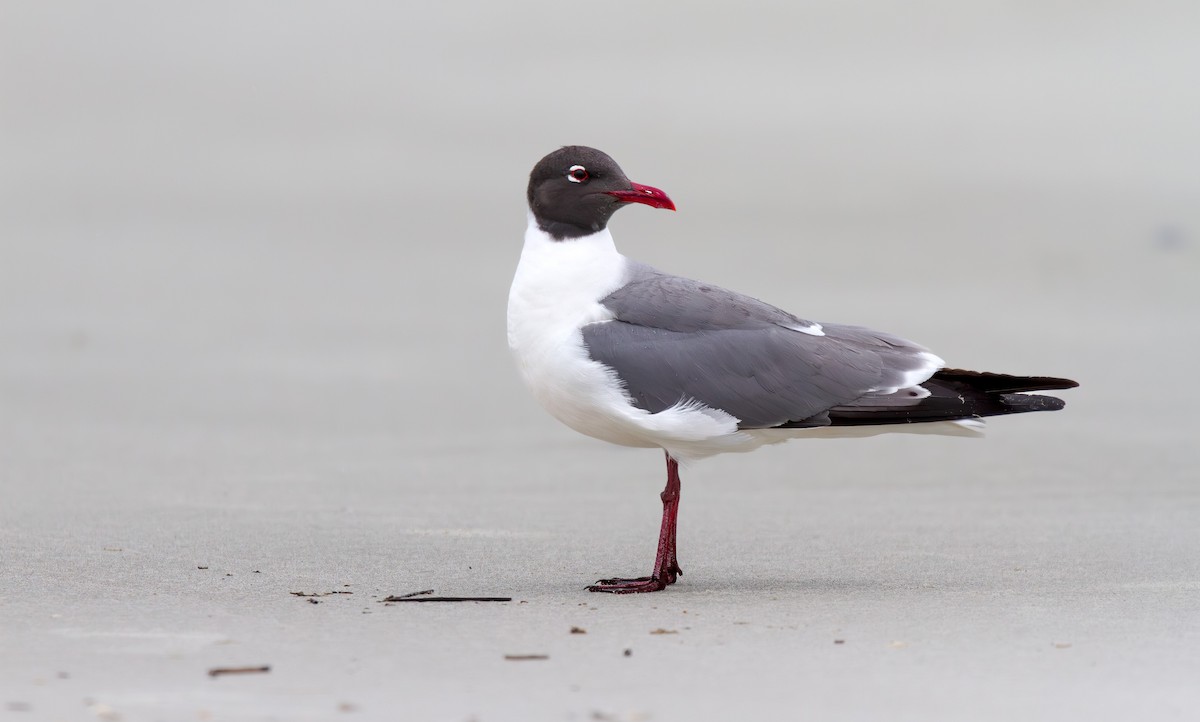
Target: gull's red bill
649, 195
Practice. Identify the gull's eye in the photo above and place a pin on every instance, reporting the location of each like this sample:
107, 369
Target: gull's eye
577, 174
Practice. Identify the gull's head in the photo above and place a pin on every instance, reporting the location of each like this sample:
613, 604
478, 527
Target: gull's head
575, 190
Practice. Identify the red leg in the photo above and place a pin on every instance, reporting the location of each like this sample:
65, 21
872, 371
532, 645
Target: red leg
666, 565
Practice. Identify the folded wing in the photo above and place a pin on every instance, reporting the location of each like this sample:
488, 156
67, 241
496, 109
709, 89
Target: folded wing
674, 340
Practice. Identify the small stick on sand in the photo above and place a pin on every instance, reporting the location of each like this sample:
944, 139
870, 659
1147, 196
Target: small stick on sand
218, 671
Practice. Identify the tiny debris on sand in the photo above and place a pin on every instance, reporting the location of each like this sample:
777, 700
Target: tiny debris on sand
219, 671
660, 630
1062, 645
317, 594
526, 657
839, 641
628, 653
578, 630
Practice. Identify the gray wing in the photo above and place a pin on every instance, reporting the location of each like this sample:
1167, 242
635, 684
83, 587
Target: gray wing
674, 340
673, 303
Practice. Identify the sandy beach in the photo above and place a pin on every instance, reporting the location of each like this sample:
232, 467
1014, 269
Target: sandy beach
254, 377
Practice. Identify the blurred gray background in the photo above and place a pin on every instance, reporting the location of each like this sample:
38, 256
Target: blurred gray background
253, 268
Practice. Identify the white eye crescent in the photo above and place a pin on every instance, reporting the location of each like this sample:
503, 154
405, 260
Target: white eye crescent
577, 174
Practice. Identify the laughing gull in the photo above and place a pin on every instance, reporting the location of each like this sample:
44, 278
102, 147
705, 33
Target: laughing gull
623, 352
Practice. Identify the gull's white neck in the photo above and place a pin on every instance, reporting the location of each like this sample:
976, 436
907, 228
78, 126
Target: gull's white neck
558, 284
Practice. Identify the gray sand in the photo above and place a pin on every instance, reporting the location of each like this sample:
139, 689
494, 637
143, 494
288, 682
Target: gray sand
253, 266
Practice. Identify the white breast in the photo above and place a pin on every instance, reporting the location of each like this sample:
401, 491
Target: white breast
556, 291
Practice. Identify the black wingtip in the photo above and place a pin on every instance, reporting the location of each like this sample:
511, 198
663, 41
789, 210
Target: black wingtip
989, 382
957, 394
1032, 402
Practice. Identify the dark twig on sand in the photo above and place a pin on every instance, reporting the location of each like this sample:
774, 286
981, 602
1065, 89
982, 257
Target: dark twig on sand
409, 598
218, 671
